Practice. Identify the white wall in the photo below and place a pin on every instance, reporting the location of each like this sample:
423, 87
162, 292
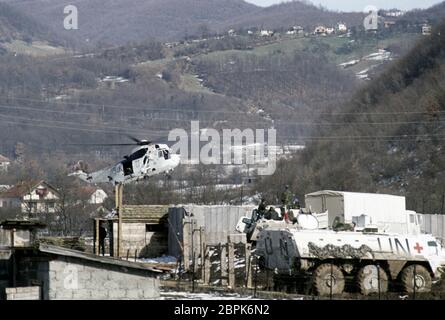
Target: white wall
98, 197
434, 224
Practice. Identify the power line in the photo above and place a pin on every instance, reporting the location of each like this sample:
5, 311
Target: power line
73, 129
77, 124
166, 130
122, 107
213, 120
400, 138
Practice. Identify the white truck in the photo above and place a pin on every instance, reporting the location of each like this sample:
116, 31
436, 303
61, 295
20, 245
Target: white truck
374, 260
387, 212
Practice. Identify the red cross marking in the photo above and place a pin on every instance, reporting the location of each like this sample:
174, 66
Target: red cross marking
418, 248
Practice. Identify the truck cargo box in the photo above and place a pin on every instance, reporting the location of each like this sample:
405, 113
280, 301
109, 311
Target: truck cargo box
387, 211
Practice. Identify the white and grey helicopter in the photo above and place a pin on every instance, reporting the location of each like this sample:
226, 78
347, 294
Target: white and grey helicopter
146, 160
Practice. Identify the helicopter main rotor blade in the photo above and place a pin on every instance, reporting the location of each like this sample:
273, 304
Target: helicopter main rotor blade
134, 139
103, 144
139, 141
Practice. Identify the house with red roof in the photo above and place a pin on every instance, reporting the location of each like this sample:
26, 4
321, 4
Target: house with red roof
31, 197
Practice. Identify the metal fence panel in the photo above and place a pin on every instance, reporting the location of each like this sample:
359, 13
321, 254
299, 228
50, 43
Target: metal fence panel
218, 222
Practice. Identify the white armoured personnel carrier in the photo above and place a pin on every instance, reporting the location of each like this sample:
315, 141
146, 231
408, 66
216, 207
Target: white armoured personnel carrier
374, 260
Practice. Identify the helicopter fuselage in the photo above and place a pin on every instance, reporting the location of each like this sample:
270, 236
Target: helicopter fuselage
143, 162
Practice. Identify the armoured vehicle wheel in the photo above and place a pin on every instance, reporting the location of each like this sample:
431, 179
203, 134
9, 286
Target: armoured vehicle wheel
422, 279
368, 280
329, 278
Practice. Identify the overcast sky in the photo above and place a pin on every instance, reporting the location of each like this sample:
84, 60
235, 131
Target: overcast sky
359, 5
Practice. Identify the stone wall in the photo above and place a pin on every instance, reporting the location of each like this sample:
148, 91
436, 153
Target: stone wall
23, 293
70, 279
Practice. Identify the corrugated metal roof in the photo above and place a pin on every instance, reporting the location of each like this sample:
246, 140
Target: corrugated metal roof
22, 224
145, 213
91, 257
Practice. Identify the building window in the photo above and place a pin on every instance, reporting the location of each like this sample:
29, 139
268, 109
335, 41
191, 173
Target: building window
32, 206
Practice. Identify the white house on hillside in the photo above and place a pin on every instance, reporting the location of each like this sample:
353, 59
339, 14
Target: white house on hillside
31, 197
330, 30
426, 29
231, 33
93, 195
4, 163
266, 33
295, 30
342, 27
320, 30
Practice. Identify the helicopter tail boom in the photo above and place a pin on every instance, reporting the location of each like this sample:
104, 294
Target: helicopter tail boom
81, 175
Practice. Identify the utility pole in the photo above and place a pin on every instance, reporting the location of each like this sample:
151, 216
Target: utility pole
242, 186
119, 192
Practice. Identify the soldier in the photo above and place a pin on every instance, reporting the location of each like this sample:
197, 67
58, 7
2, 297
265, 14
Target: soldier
262, 207
336, 224
292, 216
270, 214
286, 197
275, 215
296, 203
102, 236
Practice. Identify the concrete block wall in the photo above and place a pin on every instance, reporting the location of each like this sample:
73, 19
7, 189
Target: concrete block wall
23, 293
135, 237
71, 280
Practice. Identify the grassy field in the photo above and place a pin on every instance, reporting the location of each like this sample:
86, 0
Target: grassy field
36, 48
336, 49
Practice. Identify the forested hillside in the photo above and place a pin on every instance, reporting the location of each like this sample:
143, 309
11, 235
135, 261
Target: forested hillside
294, 13
122, 21
389, 138
14, 25
434, 15
257, 85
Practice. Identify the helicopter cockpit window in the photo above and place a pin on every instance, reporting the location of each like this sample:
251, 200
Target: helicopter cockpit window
138, 154
166, 154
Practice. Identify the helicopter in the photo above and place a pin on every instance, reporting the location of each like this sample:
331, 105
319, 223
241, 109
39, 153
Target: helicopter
146, 160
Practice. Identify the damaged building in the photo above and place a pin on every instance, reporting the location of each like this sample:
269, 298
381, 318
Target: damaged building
144, 231
33, 272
